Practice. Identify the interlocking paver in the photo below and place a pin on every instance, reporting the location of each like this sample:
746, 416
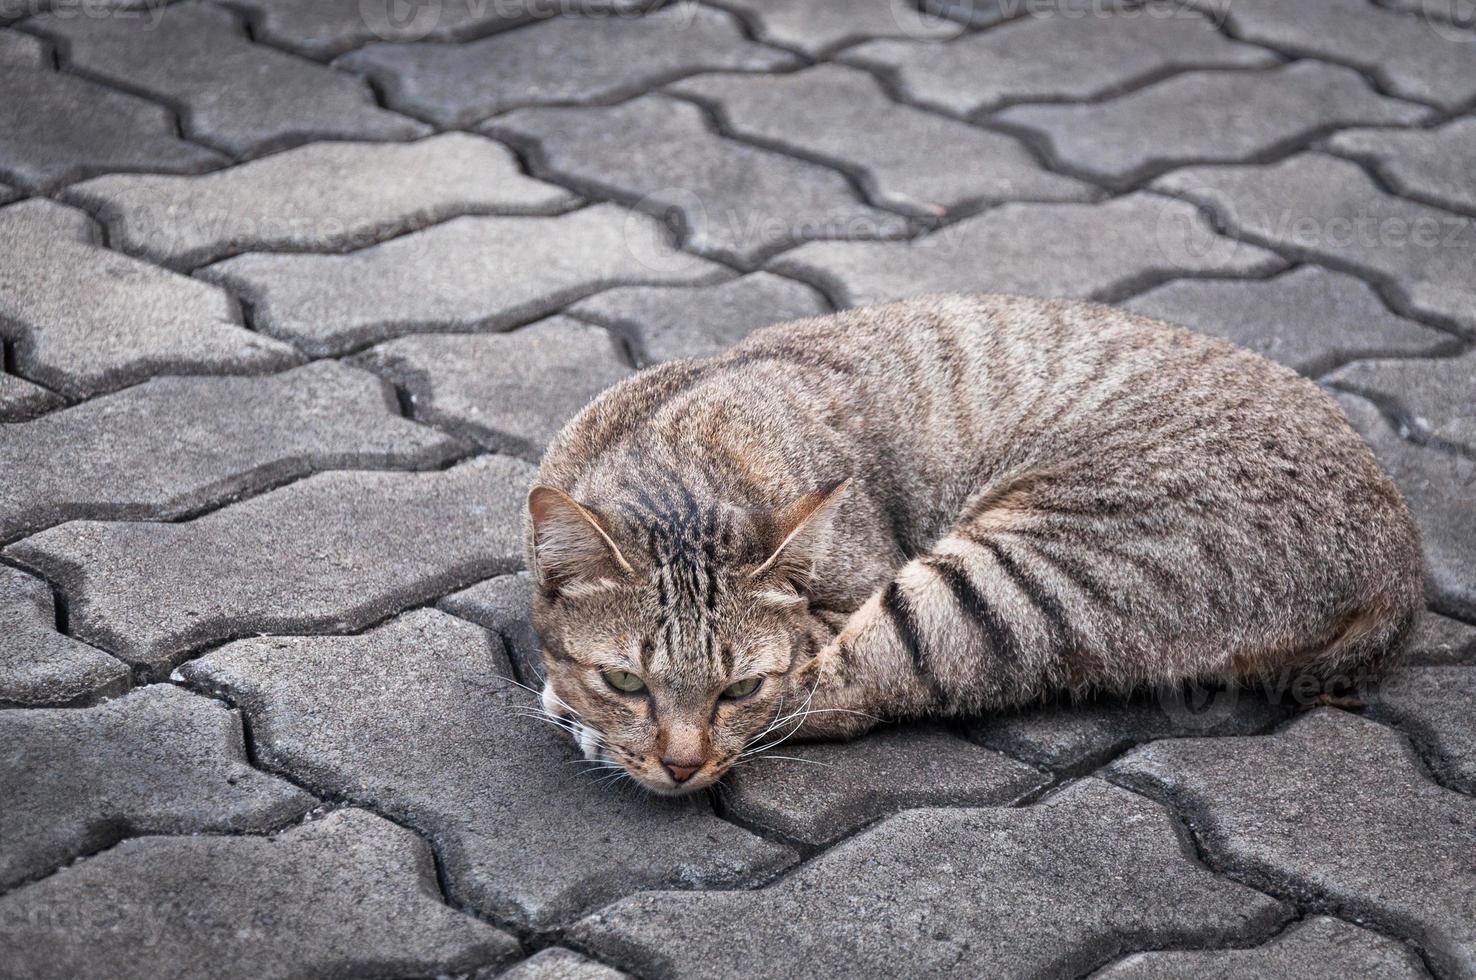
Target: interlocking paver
1434, 164
737, 202
1326, 209
1077, 737
618, 57
1406, 55
987, 13
488, 272
1210, 115
317, 198
1318, 949
56, 128
235, 95
1054, 58
927, 163
821, 792
507, 392
1441, 490
327, 27
1310, 319
818, 26
1440, 641
1431, 397
663, 323
1335, 806
84, 319
1270, 808
41, 666
173, 445
19, 50
557, 963
502, 605
20, 399
1094, 251
1091, 873
349, 895
334, 552
416, 719
1433, 705
158, 760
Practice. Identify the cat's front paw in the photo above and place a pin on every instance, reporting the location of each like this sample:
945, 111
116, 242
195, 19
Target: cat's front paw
837, 707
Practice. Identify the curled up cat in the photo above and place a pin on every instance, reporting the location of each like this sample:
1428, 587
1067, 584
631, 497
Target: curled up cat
947, 507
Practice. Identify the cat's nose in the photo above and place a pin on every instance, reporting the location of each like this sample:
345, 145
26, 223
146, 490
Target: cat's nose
680, 772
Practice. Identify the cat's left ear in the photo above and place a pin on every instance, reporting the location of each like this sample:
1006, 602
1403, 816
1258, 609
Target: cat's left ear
569, 541
801, 531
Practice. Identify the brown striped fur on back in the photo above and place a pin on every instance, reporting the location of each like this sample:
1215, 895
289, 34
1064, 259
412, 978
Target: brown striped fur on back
949, 506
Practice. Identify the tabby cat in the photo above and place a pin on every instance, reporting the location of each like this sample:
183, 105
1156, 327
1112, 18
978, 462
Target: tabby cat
944, 507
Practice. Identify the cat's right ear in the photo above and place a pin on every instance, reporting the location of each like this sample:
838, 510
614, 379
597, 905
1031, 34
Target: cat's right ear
801, 532
569, 542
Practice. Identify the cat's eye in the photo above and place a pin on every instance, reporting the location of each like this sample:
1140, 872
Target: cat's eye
743, 688
624, 681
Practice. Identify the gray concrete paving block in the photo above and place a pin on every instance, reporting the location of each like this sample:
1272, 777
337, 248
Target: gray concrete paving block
557, 963
1078, 251
816, 27
665, 323
1410, 57
40, 666
502, 604
1433, 705
617, 57
19, 50
416, 719
334, 552
83, 319
736, 202
484, 272
56, 128
198, 57
1431, 397
1318, 949
1325, 209
21, 400
817, 793
507, 392
173, 445
158, 760
928, 164
1311, 319
1434, 164
1076, 737
325, 28
1337, 808
1210, 115
1440, 641
324, 197
349, 895
1057, 888
1441, 490
1053, 58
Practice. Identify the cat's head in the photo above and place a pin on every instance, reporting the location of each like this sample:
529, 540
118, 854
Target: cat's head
676, 637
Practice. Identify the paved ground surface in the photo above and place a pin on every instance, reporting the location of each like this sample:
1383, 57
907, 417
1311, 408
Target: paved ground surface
292, 293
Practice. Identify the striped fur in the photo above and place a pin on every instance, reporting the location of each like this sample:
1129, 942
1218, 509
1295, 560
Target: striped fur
1042, 496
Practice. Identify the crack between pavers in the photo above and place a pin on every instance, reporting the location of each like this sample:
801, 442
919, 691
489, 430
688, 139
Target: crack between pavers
1388, 287
1375, 80
1189, 818
1156, 167
1402, 420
